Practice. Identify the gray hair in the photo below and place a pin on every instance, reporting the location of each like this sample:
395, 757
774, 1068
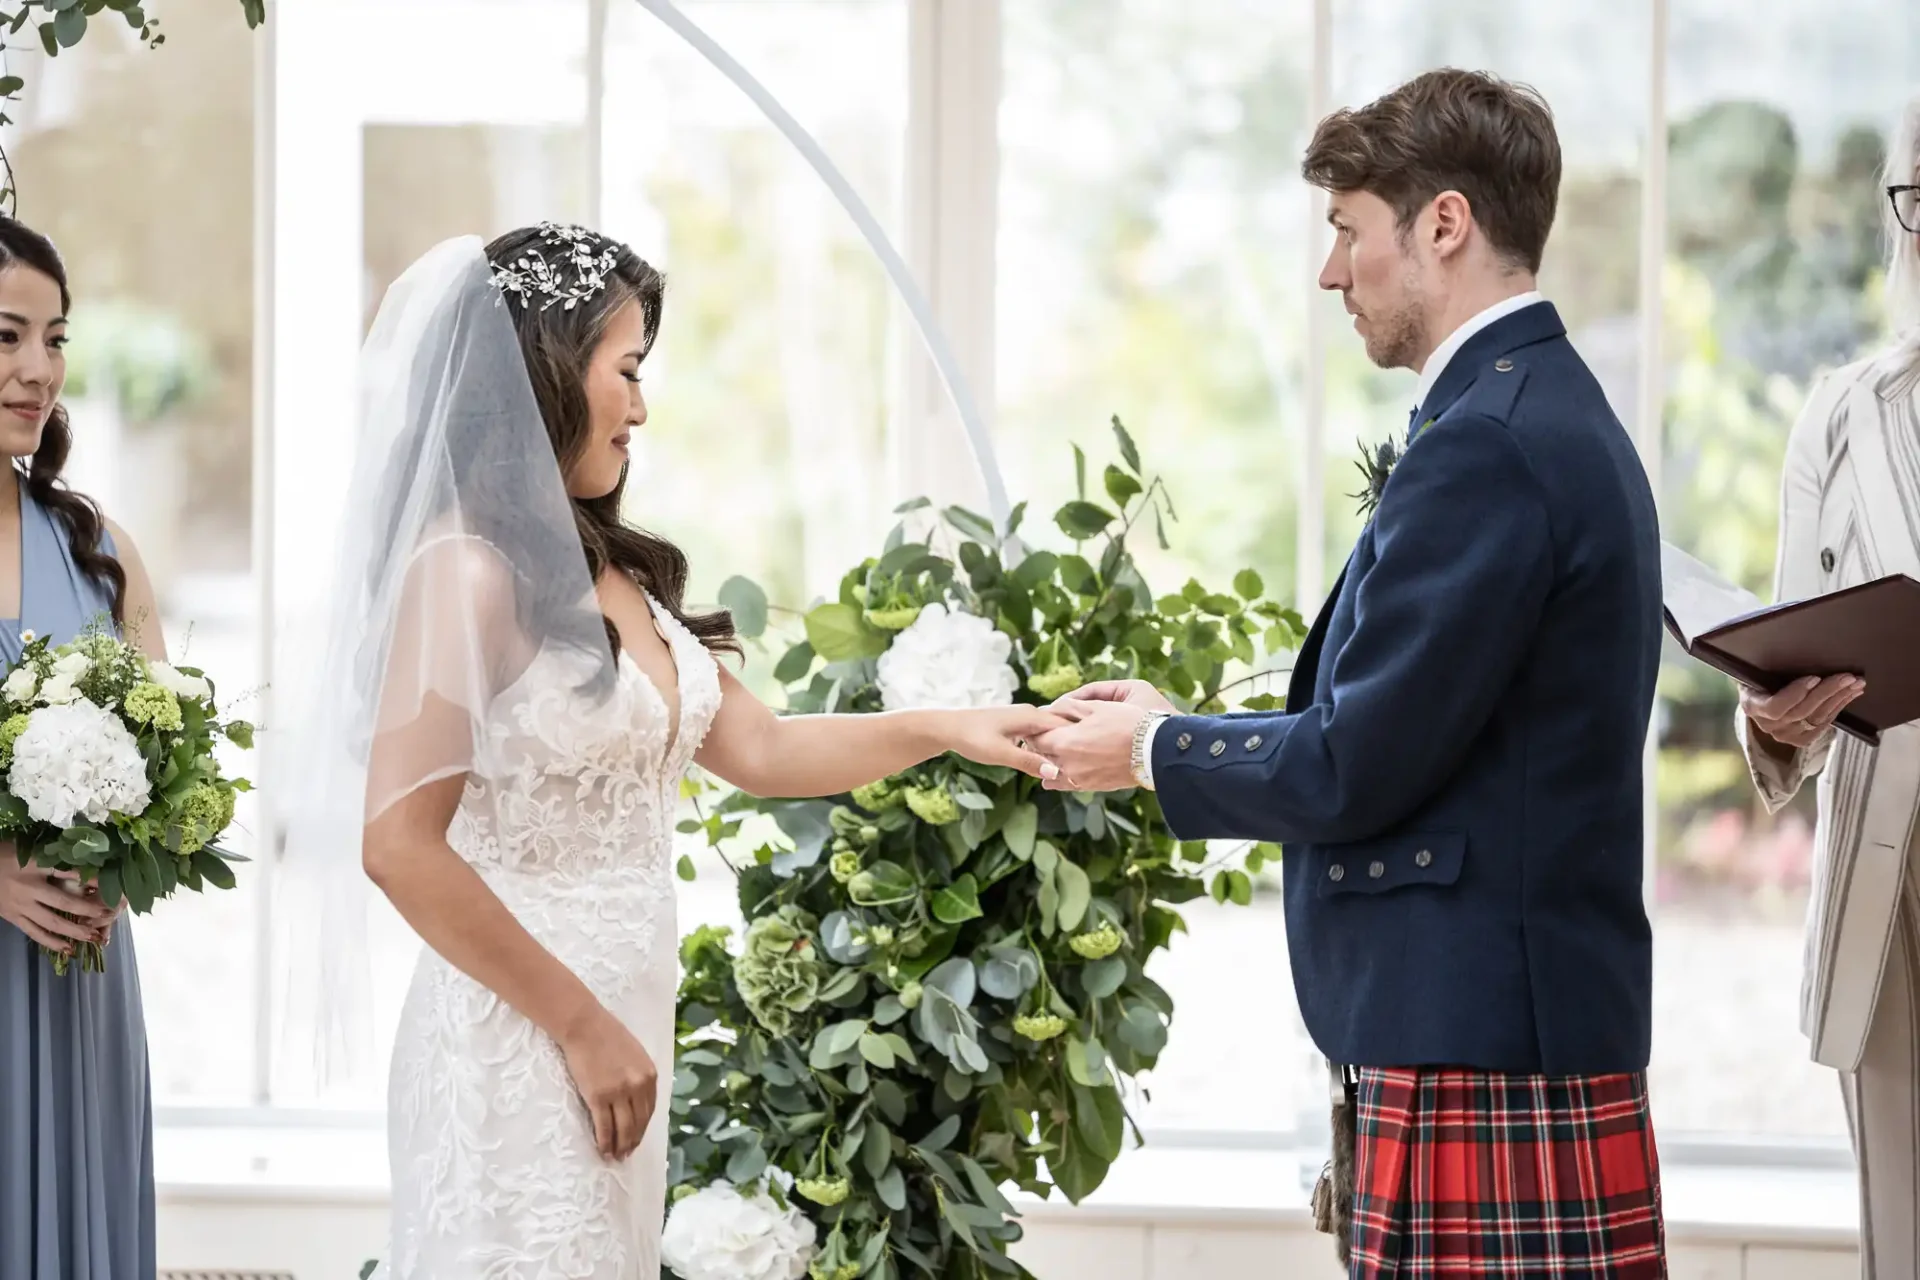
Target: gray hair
1903, 246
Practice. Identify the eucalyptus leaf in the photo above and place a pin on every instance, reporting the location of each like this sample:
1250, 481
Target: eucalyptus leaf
844, 1035
941, 1136
836, 939
876, 1149
1076, 892
744, 599
955, 979
892, 1189
1022, 824
1010, 972
795, 663
1101, 978
876, 1051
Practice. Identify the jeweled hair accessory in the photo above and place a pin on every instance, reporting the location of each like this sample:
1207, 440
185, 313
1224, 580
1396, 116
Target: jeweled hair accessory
572, 275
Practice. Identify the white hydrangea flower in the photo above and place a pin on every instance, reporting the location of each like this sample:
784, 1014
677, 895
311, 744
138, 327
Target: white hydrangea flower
718, 1234
20, 686
77, 761
947, 659
177, 682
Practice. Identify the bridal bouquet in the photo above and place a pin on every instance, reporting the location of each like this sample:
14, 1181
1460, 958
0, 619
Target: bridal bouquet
942, 988
107, 770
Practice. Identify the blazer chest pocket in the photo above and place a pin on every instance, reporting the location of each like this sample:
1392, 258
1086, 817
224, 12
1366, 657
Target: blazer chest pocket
1392, 862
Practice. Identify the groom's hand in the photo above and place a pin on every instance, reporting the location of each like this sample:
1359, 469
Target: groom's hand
1095, 752
1134, 693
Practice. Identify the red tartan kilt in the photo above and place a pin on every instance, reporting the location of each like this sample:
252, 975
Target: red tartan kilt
1476, 1173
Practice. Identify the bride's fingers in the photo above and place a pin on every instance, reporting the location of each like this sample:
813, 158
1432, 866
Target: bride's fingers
1031, 763
603, 1128
625, 1128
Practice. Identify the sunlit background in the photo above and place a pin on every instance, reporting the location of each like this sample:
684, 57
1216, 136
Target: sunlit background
1102, 199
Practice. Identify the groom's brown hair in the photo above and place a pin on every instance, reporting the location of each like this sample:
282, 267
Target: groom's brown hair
1491, 140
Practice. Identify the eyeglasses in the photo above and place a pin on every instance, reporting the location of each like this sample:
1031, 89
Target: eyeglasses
1906, 206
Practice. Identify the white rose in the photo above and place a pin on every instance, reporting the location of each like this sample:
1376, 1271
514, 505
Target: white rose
718, 1234
72, 665
58, 690
178, 683
77, 761
20, 686
947, 660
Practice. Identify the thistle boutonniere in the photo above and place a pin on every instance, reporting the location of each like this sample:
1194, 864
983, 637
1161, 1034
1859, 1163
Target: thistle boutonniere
1376, 463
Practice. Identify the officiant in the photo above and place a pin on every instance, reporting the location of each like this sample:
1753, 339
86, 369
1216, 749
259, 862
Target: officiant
1850, 513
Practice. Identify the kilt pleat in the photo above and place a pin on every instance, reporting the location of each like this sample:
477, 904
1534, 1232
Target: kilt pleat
1476, 1173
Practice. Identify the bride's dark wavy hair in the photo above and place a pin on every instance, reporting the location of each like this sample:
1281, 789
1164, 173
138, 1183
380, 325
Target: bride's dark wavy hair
22, 246
558, 343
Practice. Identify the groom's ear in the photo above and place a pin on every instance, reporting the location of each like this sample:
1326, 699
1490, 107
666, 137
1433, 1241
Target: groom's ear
1449, 220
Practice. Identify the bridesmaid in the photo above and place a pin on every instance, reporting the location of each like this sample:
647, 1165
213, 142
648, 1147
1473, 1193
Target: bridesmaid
76, 1117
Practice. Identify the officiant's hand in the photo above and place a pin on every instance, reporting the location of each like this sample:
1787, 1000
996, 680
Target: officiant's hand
1095, 752
1800, 713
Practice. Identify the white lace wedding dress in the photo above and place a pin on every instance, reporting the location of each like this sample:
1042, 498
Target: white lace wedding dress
496, 1176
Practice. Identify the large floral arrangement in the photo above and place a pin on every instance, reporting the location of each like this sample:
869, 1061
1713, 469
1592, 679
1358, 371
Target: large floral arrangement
107, 760
942, 986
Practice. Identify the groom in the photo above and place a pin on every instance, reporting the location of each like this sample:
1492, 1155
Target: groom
1457, 775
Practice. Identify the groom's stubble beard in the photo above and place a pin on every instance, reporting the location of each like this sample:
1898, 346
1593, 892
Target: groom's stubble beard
1399, 334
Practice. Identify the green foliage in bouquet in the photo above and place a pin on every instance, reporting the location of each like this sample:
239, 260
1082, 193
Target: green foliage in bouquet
942, 986
107, 769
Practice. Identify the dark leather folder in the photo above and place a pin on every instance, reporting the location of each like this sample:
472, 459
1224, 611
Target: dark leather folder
1871, 630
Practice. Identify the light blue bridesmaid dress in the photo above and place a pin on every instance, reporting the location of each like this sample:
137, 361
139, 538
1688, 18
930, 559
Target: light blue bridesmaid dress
76, 1111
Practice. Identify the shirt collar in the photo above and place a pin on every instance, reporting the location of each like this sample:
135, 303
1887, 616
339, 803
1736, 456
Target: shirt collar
1444, 353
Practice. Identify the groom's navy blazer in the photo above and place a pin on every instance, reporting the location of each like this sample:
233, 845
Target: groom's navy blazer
1457, 777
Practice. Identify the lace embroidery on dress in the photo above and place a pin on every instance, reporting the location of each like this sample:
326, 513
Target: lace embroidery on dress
569, 817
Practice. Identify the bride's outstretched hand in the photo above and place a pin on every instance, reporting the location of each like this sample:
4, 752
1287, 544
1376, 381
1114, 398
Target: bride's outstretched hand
1004, 736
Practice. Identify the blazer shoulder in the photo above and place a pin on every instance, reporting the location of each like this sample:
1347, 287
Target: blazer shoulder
1892, 375
1494, 393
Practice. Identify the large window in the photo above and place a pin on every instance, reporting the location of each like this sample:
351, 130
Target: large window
1774, 259
1115, 184
1150, 266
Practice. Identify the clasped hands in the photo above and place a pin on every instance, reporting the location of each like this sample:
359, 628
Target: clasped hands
1093, 750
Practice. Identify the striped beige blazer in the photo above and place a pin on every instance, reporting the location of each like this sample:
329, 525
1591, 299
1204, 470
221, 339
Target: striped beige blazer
1850, 512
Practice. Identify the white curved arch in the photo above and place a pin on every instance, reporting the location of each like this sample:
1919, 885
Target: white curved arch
918, 307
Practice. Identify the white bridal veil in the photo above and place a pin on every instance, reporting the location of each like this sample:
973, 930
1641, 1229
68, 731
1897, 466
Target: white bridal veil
459, 562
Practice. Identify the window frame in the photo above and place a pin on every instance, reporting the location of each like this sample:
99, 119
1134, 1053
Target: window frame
951, 216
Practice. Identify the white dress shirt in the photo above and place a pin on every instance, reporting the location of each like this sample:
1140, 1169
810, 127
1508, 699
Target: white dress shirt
1429, 374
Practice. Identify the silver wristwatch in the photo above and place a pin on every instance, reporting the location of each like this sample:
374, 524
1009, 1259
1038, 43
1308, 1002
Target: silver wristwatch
1142, 772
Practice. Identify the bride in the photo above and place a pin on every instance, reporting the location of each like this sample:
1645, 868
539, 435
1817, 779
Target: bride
515, 688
